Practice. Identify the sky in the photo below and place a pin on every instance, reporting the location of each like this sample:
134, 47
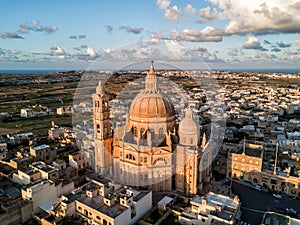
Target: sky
221, 34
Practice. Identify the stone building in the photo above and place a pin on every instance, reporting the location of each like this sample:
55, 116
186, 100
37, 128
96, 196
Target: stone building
152, 150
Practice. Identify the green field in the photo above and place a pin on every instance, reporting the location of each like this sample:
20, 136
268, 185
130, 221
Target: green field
36, 125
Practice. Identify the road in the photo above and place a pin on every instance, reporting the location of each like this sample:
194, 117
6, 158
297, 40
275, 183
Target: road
255, 203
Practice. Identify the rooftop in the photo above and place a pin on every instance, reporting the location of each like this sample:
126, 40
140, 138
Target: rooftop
40, 147
217, 199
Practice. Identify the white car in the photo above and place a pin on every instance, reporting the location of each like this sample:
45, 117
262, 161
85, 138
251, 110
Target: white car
277, 196
257, 187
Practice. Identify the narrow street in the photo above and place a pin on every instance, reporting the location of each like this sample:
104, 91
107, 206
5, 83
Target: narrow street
255, 203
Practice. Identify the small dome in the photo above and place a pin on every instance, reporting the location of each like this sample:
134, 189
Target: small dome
188, 124
151, 106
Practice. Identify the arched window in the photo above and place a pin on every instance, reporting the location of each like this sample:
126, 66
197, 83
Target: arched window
152, 132
165, 161
161, 132
142, 133
98, 128
130, 156
135, 131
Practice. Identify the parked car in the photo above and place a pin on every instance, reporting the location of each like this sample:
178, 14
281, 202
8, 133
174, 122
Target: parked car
277, 196
291, 210
257, 187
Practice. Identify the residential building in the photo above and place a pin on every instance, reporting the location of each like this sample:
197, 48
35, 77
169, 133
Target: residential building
42, 152
215, 209
45, 191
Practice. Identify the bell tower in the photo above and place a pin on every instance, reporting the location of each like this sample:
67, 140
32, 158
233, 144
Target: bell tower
102, 131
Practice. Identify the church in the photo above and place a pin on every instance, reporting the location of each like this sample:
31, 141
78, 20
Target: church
152, 150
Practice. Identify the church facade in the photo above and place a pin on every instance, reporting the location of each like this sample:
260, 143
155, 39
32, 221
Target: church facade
151, 150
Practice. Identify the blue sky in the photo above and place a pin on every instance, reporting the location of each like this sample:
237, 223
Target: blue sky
219, 33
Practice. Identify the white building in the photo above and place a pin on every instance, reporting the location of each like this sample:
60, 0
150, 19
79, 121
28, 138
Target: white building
122, 207
26, 113
45, 191
213, 209
64, 110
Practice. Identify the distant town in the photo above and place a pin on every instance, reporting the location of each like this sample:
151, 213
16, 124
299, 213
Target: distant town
106, 161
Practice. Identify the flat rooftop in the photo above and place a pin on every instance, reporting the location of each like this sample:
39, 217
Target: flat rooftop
215, 199
250, 152
40, 147
97, 203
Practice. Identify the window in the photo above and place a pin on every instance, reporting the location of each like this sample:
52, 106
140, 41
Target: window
98, 128
192, 140
135, 131
161, 133
98, 218
145, 159
152, 132
130, 156
142, 133
79, 208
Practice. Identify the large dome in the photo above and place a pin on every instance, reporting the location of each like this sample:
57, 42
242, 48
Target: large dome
150, 109
151, 106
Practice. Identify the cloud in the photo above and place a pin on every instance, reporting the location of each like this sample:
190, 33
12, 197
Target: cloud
172, 14
259, 16
275, 49
208, 34
233, 51
283, 45
133, 30
73, 37
163, 4
79, 36
198, 49
61, 57
297, 42
109, 28
36, 27
91, 52
14, 51
81, 47
206, 15
10, 35
253, 42
189, 9
56, 50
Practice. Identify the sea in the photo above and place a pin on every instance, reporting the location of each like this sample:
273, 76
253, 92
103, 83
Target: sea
44, 71
11, 71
